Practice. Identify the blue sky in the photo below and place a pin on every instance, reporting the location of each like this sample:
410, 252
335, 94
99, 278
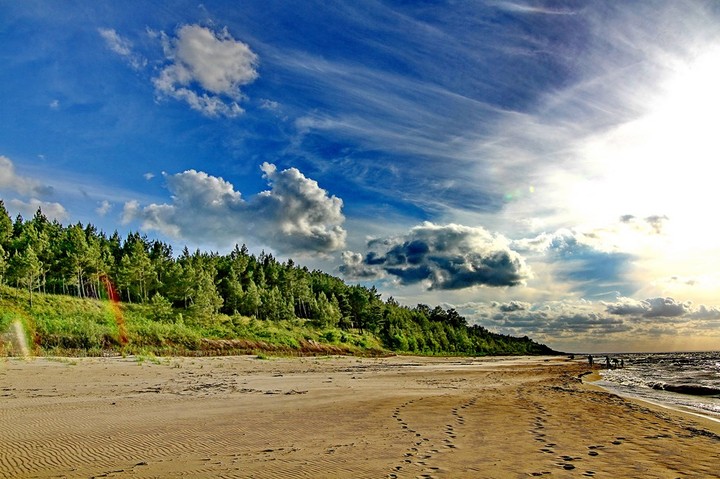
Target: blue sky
547, 168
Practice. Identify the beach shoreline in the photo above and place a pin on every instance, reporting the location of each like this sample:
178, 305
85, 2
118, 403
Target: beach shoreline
396, 417
709, 421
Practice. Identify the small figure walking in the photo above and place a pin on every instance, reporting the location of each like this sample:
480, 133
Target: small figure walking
622, 363
607, 362
590, 359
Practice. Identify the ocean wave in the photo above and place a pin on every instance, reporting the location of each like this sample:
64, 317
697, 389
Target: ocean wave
686, 380
693, 389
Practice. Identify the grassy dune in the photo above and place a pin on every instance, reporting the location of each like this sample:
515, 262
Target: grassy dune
64, 325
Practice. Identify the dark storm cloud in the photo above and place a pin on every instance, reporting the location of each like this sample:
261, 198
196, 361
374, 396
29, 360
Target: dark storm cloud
444, 257
353, 267
512, 306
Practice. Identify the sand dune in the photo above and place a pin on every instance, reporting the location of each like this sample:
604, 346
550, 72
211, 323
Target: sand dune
400, 417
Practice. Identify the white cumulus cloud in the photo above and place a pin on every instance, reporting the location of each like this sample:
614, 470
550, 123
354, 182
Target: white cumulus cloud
10, 180
651, 308
294, 215
51, 210
103, 208
206, 69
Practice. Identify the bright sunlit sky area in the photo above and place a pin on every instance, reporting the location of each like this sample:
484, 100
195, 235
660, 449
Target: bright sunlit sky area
546, 168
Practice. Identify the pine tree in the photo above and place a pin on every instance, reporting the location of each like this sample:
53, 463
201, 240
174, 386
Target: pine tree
3, 264
161, 309
328, 311
251, 301
6, 227
26, 269
77, 258
206, 302
140, 269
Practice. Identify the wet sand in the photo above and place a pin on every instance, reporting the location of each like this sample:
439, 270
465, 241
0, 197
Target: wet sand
336, 417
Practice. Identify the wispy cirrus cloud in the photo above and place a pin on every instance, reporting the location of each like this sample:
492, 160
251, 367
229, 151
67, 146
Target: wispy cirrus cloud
122, 47
519, 7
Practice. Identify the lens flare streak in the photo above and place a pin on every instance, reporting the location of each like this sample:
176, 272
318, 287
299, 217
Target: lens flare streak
114, 298
21, 339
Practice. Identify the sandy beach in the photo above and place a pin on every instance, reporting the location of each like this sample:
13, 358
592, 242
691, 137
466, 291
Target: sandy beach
335, 417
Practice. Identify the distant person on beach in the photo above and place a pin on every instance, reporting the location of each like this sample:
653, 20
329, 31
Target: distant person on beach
622, 363
590, 359
607, 362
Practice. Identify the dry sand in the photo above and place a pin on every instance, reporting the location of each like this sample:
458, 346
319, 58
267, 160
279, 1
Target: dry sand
337, 417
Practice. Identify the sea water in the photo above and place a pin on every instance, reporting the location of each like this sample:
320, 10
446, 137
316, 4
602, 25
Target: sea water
680, 380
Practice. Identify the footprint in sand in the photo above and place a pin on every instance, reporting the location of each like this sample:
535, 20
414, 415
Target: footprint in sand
567, 462
570, 458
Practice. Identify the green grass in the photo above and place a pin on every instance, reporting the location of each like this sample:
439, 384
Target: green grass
59, 325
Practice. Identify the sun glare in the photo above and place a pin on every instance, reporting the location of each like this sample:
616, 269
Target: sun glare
665, 162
